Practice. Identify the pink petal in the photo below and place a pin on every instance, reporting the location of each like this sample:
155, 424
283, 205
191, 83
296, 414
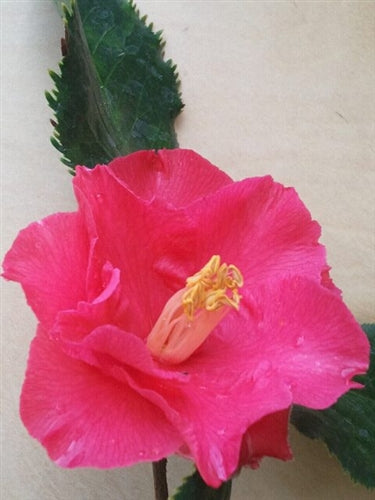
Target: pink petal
212, 416
267, 437
85, 418
262, 228
189, 398
304, 334
49, 259
109, 307
177, 176
149, 243
318, 346
116, 352
213, 413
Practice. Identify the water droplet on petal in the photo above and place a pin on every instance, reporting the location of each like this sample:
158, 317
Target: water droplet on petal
141, 454
262, 369
300, 340
59, 408
347, 372
292, 386
99, 197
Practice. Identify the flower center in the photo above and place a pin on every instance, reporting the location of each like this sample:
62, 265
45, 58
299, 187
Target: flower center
192, 313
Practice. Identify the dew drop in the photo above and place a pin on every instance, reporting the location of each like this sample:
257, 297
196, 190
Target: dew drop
363, 433
318, 367
59, 409
291, 386
346, 372
99, 197
262, 369
300, 341
141, 454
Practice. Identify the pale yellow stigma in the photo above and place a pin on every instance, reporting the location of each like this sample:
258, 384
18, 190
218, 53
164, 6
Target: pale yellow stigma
193, 312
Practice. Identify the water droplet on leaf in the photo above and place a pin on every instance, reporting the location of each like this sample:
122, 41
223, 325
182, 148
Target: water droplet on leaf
364, 433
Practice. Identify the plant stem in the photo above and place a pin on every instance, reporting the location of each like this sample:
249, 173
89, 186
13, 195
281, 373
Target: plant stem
159, 470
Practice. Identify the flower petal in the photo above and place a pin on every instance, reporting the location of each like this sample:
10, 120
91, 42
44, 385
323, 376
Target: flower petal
177, 176
266, 438
85, 418
320, 347
306, 335
262, 228
110, 307
49, 259
189, 398
150, 244
212, 413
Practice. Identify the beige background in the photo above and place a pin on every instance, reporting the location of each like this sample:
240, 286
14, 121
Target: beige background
285, 88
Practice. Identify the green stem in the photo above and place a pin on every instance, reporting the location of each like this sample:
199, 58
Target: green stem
159, 470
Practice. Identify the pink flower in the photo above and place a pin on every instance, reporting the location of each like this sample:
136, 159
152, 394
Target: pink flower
133, 362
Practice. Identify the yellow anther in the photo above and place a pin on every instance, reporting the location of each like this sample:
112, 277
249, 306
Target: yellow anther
214, 286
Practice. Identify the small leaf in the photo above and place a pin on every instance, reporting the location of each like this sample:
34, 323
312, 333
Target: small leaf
115, 93
195, 488
348, 427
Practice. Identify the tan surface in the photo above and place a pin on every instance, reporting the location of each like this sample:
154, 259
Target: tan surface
285, 88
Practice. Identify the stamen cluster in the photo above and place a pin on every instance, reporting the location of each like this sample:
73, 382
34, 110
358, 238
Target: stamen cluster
212, 287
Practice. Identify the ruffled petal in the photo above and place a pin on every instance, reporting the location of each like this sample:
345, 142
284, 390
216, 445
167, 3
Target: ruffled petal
305, 336
213, 409
84, 418
109, 307
49, 258
177, 176
149, 243
317, 345
188, 397
261, 227
266, 438
213, 415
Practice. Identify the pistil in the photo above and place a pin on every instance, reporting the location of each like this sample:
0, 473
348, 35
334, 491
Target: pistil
193, 312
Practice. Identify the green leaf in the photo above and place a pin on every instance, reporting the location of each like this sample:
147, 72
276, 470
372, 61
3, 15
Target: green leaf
348, 427
115, 93
195, 488
59, 5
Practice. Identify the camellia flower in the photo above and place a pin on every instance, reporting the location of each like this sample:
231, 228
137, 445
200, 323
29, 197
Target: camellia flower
179, 312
